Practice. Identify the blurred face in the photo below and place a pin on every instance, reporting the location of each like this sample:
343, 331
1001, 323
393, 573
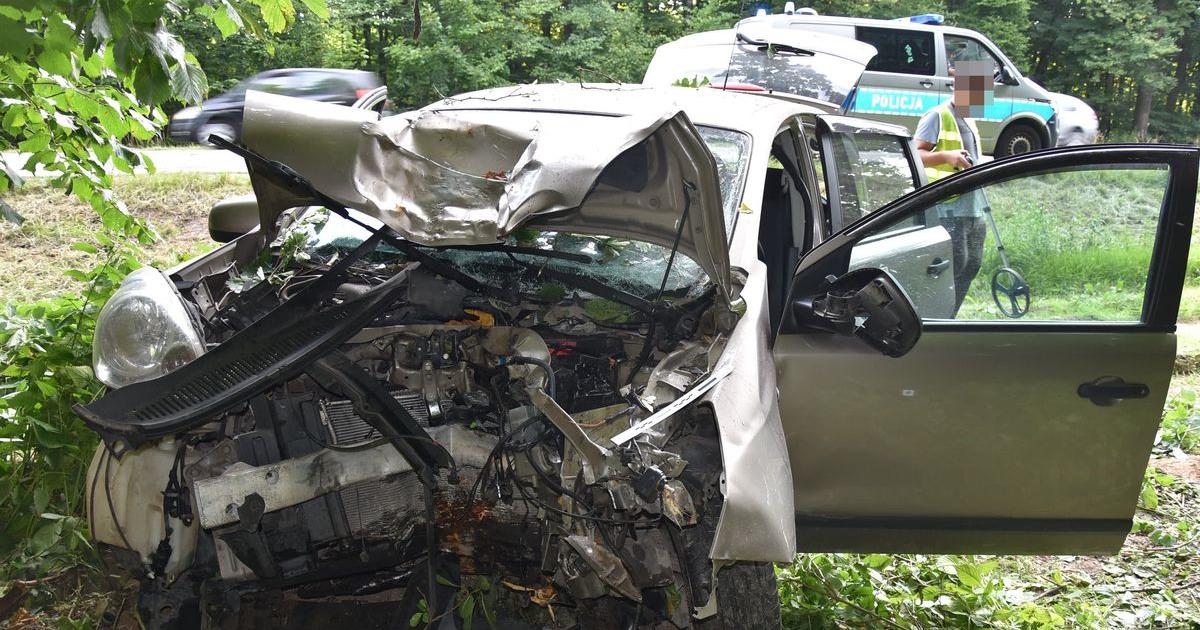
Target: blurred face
974, 87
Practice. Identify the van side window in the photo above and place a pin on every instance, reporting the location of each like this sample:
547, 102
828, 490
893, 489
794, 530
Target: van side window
959, 48
900, 51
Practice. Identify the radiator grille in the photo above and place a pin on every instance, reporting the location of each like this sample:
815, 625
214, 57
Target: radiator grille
382, 507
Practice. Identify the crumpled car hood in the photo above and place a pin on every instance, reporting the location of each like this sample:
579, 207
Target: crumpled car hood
471, 177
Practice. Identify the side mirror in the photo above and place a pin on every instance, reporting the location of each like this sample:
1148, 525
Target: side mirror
232, 217
1006, 77
867, 303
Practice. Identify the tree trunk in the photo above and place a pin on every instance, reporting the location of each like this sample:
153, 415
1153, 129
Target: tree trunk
1141, 113
1182, 61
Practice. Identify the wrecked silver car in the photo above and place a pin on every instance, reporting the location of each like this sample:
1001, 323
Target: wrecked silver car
573, 357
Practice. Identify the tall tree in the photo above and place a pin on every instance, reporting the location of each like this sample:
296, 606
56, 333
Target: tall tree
1005, 22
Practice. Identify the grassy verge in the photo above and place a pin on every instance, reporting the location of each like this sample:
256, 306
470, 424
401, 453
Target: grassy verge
1083, 242
34, 254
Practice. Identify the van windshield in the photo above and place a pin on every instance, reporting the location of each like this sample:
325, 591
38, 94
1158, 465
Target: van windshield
776, 69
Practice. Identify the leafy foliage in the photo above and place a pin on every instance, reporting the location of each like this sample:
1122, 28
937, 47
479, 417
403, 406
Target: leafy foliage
45, 349
80, 82
1149, 585
1180, 429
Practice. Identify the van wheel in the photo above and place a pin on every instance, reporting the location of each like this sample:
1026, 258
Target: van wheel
747, 597
1017, 139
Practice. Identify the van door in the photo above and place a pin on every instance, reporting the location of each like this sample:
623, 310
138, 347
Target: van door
900, 83
995, 434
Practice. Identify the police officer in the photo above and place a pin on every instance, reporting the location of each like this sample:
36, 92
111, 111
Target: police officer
948, 142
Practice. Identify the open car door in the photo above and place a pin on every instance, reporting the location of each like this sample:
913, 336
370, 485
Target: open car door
999, 432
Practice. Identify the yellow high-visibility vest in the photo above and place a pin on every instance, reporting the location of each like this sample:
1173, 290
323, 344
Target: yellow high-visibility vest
949, 139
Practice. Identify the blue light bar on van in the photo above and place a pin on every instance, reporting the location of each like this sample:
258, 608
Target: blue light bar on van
924, 18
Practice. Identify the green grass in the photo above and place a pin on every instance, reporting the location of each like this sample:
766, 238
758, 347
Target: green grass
34, 254
1083, 242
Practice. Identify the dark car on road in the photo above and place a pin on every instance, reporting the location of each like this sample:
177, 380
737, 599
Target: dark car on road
222, 114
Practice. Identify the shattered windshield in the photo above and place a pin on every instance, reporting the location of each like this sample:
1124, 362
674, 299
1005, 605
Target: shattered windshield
631, 266
732, 151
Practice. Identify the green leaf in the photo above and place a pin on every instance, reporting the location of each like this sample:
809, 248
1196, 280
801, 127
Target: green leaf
35, 143
45, 537
226, 20
1148, 497
969, 574
467, 612
100, 27
188, 82
87, 248
41, 498
55, 62
273, 14
318, 7
15, 40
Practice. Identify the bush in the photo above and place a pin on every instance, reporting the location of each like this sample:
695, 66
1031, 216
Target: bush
45, 348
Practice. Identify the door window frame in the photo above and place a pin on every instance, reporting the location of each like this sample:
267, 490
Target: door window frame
997, 59
825, 135
1168, 262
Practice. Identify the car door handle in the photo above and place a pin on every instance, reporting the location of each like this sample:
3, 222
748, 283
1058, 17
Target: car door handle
927, 83
1109, 390
949, 84
936, 267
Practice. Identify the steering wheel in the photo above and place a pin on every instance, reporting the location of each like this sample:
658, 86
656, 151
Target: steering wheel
1010, 292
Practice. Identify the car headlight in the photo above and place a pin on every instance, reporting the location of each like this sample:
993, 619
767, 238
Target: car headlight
187, 113
143, 331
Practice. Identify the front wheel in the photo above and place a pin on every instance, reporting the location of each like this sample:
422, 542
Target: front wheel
1017, 139
747, 597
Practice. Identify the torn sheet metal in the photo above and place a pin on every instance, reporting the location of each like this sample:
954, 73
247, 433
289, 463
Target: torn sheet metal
291, 481
294, 481
595, 457
473, 176
702, 386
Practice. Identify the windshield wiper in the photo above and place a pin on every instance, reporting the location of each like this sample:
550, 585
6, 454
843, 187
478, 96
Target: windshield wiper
763, 45
524, 251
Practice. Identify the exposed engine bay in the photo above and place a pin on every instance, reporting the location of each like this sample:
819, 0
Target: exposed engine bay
392, 434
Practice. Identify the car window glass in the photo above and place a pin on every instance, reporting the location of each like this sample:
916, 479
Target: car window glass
872, 169
279, 84
732, 150
319, 84
1076, 246
902, 51
960, 48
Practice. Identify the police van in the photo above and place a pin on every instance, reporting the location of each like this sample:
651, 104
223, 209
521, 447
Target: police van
910, 74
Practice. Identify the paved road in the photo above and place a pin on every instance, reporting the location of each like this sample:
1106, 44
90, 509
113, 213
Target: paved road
192, 159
